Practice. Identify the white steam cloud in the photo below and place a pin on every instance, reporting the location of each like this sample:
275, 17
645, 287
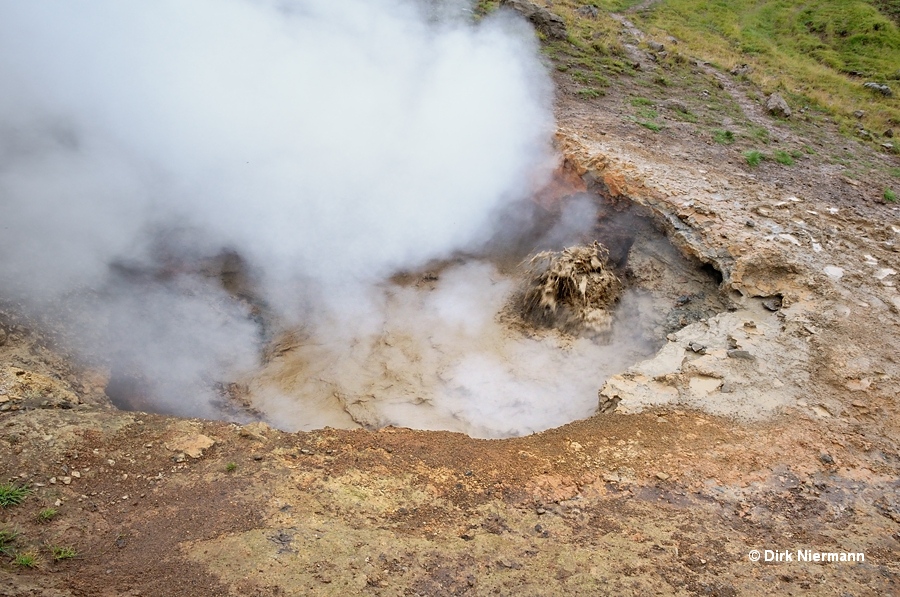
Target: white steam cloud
328, 143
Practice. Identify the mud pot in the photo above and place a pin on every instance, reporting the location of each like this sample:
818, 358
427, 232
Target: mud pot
511, 341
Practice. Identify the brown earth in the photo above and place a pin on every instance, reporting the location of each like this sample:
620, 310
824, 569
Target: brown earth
770, 426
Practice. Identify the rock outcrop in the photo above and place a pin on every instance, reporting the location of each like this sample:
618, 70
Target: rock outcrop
548, 23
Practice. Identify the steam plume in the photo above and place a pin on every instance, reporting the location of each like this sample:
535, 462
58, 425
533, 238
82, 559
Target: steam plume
327, 143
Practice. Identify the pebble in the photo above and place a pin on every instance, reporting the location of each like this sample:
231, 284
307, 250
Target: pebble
772, 304
740, 354
833, 271
662, 476
826, 458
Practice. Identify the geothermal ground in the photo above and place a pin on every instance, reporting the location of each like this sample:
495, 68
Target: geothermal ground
763, 415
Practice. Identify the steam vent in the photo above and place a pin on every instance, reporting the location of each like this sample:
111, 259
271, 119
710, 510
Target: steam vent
449, 298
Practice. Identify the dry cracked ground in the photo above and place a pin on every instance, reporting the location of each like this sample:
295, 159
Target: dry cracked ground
770, 426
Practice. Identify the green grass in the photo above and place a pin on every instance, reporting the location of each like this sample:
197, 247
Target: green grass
63, 552
722, 136
650, 125
26, 559
47, 514
817, 53
230, 467
758, 133
641, 101
784, 158
890, 196
589, 93
684, 115
753, 157
12, 494
895, 172
7, 536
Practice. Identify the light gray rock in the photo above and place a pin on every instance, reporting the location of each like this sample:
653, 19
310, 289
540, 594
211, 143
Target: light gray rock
777, 106
882, 89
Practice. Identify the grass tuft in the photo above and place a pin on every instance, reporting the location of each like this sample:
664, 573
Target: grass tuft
63, 552
230, 467
784, 158
589, 93
12, 494
26, 559
890, 196
753, 157
7, 536
47, 514
722, 136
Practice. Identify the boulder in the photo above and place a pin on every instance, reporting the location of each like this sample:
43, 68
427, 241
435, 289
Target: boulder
777, 106
551, 25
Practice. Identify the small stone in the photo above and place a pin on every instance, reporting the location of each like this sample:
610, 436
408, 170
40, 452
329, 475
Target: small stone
750, 224
467, 536
255, 431
305, 451
662, 476
826, 459
66, 480
834, 272
192, 446
656, 46
889, 133
772, 304
257, 457
52, 481
57, 503
777, 106
611, 478
859, 113
697, 347
541, 511
740, 354
180, 457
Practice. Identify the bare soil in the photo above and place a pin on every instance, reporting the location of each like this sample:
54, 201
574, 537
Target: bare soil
770, 426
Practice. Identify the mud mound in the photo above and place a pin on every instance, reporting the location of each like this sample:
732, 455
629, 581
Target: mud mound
572, 290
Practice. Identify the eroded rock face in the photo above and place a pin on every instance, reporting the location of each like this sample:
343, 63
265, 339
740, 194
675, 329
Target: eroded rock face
543, 20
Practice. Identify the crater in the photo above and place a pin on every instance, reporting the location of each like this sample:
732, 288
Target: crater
458, 344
